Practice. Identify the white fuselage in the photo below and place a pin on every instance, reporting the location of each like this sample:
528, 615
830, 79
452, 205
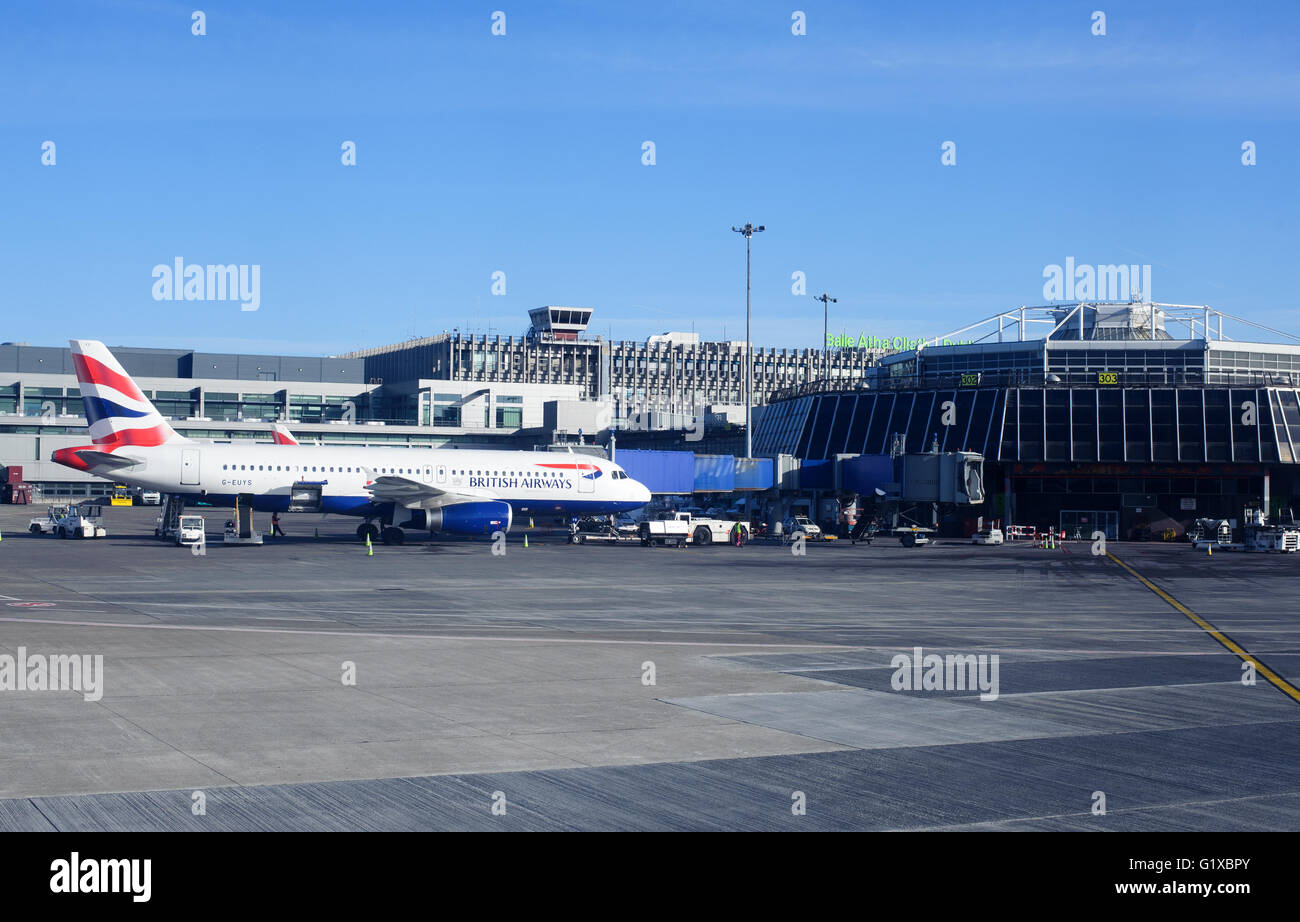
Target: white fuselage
530, 481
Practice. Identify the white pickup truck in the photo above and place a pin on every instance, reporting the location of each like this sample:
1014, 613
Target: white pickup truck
682, 528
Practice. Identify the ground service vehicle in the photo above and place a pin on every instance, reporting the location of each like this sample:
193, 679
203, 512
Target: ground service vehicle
189, 530
84, 521
810, 529
48, 524
682, 528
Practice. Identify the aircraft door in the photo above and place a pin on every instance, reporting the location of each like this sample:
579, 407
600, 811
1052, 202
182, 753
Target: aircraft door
189, 465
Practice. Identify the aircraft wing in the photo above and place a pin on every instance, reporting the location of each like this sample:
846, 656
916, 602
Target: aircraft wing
412, 494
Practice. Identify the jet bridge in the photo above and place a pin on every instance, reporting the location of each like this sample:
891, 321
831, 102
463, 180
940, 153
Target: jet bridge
909, 491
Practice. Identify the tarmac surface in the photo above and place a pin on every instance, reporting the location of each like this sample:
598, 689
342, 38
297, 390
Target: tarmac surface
305, 684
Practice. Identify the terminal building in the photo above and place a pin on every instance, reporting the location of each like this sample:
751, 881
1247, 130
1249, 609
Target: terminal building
672, 373
552, 384
1124, 417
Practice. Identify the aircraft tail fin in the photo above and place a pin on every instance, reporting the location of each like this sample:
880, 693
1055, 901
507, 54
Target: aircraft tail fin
282, 435
117, 411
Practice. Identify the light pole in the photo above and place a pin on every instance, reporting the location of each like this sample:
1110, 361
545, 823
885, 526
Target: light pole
827, 301
748, 231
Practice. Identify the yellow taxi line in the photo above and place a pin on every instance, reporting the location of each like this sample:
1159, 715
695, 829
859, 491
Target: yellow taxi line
1276, 680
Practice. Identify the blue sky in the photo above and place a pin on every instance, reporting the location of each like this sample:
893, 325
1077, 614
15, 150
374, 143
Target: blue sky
522, 153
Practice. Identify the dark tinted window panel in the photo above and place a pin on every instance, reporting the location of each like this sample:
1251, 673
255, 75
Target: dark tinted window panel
1291, 416
1190, 426
981, 406
780, 417
801, 449
781, 424
993, 439
1217, 425
1031, 424
1244, 413
1058, 425
1276, 404
953, 438
918, 428
1083, 424
898, 419
1110, 425
861, 422
821, 428
840, 425
1164, 438
801, 421
1011, 427
1267, 434
934, 426
878, 431
1137, 422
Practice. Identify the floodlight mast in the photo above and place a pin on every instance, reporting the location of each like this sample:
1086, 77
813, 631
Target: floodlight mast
826, 300
748, 231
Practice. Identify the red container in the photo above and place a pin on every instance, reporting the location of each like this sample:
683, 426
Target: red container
14, 474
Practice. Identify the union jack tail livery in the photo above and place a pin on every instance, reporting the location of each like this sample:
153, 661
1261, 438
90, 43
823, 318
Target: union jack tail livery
117, 412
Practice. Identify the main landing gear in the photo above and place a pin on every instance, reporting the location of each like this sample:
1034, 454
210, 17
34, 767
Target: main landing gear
388, 534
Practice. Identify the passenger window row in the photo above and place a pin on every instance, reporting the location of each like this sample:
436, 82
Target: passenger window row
324, 469
315, 469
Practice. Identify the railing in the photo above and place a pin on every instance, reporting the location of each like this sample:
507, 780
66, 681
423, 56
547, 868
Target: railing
1168, 378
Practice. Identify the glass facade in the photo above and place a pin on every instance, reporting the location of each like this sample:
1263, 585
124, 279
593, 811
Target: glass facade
1080, 424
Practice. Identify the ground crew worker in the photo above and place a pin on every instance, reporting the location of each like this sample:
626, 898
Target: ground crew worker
738, 535
275, 525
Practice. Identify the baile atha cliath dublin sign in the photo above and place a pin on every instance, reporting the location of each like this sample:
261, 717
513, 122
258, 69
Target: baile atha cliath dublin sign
897, 343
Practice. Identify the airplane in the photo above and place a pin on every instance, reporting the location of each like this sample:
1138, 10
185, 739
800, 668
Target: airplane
460, 491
